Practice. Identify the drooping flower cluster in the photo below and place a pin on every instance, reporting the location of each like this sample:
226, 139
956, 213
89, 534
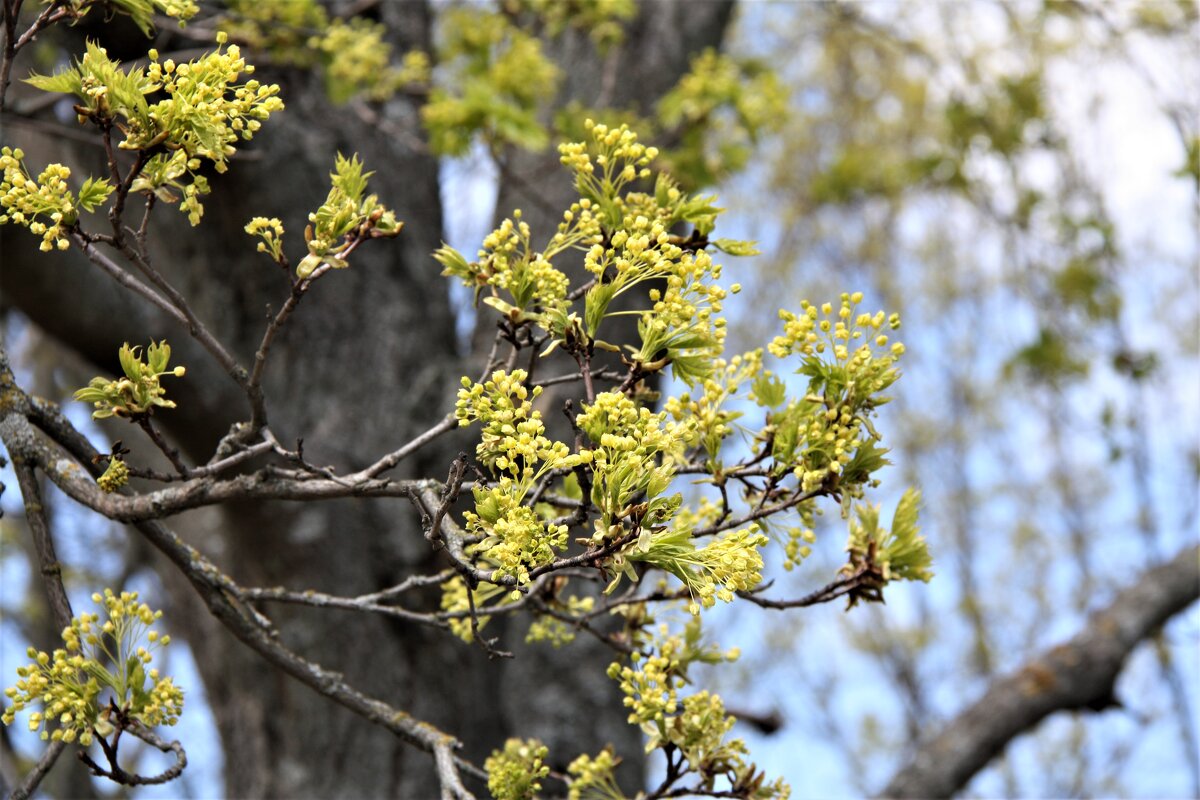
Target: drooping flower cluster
71, 683
139, 392
713, 421
513, 438
514, 539
46, 205
730, 563
516, 772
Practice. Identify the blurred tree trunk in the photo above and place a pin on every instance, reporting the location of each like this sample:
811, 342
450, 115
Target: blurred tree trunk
366, 363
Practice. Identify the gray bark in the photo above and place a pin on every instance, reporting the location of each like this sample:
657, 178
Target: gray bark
367, 362
1076, 675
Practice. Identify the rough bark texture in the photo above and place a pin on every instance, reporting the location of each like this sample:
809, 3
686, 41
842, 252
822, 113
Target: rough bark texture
367, 362
1076, 675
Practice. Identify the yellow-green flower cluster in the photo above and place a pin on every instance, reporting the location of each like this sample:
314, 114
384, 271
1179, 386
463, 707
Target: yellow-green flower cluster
271, 233
513, 439
619, 425
280, 27
357, 59
46, 206
516, 772
455, 600
95, 658
514, 537
115, 475
558, 632
713, 422
823, 434
139, 392
202, 114
682, 326
206, 110
699, 732
508, 262
730, 563
604, 166
814, 331
593, 779
651, 687
347, 214
798, 544
140, 11
695, 725
633, 461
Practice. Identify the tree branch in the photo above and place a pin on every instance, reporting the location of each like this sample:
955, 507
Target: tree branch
1078, 674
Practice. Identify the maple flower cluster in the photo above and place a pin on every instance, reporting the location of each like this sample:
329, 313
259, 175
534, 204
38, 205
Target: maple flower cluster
516, 772
202, 114
695, 725
827, 434
46, 205
513, 438
71, 681
140, 391
714, 423
514, 537
730, 563
508, 262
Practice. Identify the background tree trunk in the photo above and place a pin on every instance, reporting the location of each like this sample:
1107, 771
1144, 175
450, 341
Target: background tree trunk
367, 362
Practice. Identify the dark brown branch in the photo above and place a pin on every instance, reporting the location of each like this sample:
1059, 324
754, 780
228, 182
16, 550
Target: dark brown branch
34, 778
1076, 675
118, 775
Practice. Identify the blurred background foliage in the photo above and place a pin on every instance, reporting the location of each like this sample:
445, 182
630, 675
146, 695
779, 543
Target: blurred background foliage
1019, 181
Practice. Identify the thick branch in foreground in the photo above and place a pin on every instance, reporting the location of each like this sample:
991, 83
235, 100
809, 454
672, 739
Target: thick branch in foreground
1078, 674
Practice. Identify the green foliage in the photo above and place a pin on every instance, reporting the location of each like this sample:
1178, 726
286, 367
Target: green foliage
602, 19
202, 113
140, 11
45, 206
899, 554
347, 216
499, 76
720, 108
139, 392
97, 659
516, 772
